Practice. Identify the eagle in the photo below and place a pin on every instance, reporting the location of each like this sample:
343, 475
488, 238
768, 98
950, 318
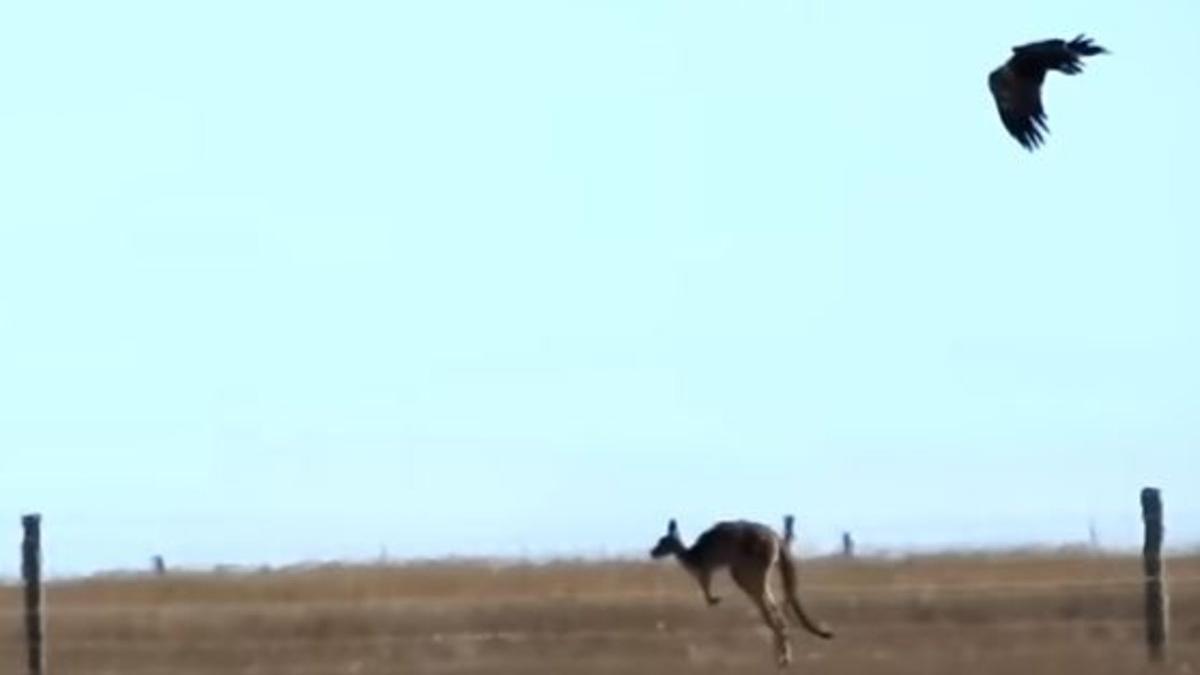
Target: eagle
1017, 85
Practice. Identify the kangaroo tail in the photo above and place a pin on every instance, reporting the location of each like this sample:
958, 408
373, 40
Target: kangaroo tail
788, 568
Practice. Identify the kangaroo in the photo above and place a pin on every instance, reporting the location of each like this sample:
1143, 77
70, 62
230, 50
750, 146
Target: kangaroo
749, 550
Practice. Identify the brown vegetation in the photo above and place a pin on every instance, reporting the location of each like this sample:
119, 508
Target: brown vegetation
1028, 614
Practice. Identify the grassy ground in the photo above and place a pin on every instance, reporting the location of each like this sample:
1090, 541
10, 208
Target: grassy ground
1028, 613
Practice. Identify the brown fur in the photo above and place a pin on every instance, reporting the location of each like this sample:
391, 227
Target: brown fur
749, 550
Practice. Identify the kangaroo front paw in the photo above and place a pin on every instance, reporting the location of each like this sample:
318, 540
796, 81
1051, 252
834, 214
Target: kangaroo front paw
713, 600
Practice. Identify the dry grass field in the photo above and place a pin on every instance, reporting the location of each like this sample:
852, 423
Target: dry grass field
1028, 613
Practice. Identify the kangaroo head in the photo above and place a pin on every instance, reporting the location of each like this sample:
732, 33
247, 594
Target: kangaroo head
669, 544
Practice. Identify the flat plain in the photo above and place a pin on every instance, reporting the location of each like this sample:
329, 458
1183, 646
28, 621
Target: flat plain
1028, 612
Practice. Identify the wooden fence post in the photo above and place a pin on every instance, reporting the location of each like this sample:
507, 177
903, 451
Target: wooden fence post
847, 545
1156, 592
31, 570
789, 529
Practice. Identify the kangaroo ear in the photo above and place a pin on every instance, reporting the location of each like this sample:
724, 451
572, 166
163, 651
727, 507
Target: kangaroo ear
672, 529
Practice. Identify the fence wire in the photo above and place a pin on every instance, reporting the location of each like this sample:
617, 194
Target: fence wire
608, 596
280, 642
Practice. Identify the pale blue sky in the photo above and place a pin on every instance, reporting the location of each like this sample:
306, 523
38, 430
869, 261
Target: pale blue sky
283, 280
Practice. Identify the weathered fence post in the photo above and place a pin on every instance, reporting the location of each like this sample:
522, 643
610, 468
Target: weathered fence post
789, 529
31, 570
1156, 592
159, 565
847, 545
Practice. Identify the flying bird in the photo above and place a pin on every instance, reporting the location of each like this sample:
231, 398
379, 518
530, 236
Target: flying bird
1017, 85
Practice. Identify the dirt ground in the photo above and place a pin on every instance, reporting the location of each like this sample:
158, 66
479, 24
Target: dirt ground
1027, 613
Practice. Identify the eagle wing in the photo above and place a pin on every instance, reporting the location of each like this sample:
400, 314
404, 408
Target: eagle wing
1019, 102
1035, 58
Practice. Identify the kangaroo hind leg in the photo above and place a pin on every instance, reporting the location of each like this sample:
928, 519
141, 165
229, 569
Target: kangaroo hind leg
754, 582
